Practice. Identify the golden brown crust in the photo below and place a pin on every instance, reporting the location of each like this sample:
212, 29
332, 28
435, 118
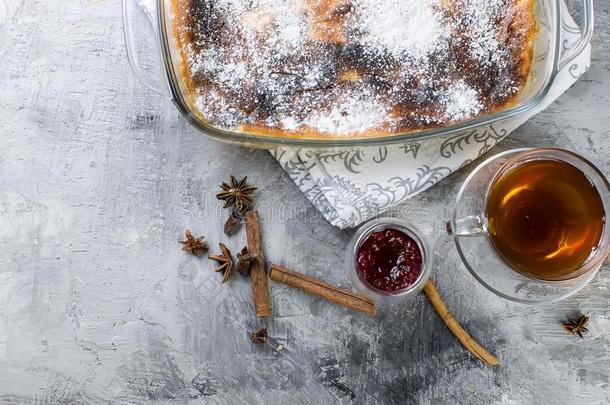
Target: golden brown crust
183, 38
518, 30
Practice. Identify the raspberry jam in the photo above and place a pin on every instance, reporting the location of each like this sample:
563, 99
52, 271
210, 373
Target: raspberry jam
389, 260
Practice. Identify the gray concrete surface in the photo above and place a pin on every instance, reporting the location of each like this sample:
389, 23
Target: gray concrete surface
98, 177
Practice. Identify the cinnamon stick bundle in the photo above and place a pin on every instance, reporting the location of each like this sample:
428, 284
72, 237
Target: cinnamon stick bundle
465, 339
323, 290
258, 275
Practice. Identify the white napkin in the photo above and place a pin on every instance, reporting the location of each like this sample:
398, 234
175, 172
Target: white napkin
350, 186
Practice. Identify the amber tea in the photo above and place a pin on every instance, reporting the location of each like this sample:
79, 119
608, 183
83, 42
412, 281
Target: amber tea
545, 218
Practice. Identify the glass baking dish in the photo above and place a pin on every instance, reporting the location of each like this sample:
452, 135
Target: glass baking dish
162, 71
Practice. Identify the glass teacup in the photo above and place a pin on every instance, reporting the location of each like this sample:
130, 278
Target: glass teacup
470, 227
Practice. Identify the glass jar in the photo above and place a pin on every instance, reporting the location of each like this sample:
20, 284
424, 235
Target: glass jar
352, 267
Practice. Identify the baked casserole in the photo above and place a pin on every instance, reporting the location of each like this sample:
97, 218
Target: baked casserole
327, 69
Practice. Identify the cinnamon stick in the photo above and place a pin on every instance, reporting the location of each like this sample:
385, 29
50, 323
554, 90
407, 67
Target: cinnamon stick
258, 275
323, 290
465, 339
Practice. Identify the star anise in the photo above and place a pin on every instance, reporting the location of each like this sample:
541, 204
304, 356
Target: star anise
226, 262
244, 260
577, 326
193, 244
237, 194
259, 337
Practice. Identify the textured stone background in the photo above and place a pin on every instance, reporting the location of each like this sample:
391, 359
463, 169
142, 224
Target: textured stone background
98, 177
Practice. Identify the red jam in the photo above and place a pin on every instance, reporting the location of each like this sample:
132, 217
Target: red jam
389, 260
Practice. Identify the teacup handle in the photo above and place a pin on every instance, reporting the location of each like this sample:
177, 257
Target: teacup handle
472, 225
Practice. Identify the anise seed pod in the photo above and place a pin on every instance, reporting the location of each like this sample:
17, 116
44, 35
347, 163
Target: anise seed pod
260, 336
577, 326
226, 262
195, 245
237, 194
233, 224
244, 261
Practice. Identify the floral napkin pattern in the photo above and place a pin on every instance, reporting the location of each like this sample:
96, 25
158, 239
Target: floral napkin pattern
350, 186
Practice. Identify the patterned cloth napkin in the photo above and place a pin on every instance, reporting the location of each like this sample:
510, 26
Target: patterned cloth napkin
350, 186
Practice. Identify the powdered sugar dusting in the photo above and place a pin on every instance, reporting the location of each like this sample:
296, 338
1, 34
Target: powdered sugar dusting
461, 101
481, 18
412, 27
342, 68
349, 115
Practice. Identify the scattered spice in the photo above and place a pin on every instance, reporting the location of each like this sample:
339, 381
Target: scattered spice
244, 260
237, 194
226, 262
195, 245
465, 339
321, 289
259, 337
258, 275
233, 223
577, 326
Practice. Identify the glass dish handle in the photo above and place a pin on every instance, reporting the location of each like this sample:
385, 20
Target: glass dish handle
586, 33
133, 9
